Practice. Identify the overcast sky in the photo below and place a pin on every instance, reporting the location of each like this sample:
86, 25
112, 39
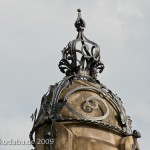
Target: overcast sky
32, 35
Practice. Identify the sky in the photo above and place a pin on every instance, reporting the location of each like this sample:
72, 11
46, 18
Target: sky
32, 35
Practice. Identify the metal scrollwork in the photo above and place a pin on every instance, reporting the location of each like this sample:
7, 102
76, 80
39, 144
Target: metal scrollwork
89, 63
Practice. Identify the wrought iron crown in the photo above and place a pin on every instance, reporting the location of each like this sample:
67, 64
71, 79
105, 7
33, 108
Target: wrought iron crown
81, 56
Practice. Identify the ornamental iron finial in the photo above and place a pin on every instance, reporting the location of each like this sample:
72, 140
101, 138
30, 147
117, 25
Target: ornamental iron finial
80, 23
81, 56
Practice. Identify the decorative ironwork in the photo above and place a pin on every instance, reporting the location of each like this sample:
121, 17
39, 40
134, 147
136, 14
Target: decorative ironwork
81, 61
56, 106
33, 116
85, 60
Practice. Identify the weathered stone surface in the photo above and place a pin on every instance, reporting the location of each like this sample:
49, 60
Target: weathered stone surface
73, 135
